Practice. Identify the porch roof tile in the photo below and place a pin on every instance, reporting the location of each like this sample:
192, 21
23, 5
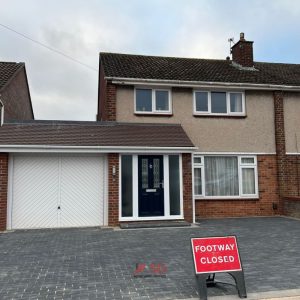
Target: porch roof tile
73, 133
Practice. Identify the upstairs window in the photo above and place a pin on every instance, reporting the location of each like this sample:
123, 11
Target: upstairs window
219, 103
152, 101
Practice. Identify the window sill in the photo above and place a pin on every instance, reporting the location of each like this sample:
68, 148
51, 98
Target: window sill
220, 116
151, 114
255, 197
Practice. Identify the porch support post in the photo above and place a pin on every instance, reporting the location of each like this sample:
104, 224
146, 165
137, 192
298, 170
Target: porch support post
187, 187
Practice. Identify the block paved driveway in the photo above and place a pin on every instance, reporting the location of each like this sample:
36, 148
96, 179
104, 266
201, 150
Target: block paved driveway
99, 263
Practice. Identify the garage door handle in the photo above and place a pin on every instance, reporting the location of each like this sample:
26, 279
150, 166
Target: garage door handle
58, 207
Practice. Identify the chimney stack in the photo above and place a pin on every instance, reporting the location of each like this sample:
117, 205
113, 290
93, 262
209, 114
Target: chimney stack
242, 52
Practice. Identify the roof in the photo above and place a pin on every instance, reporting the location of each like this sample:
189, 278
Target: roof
71, 133
8, 70
194, 69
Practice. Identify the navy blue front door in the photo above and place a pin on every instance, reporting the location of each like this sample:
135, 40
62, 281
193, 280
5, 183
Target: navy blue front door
151, 185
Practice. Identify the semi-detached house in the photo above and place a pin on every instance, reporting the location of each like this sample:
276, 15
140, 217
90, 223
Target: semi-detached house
175, 139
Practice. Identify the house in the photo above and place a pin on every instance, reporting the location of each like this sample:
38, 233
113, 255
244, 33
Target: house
242, 115
14, 92
175, 139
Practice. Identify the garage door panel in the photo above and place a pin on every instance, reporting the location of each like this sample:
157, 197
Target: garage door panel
42, 183
81, 183
35, 192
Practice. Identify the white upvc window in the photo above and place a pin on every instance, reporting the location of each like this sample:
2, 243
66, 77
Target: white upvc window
225, 176
219, 103
152, 101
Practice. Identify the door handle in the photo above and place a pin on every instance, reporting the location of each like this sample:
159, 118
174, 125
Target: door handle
58, 207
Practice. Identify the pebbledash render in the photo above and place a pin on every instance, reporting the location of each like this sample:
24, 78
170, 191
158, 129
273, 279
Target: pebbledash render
176, 139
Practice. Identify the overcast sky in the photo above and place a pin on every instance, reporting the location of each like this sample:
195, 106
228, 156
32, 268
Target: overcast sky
63, 89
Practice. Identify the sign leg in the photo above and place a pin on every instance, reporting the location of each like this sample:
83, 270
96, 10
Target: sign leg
238, 277
202, 287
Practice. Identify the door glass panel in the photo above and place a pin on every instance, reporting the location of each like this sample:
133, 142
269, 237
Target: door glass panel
197, 181
126, 178
156, 173
145, 173
174, 184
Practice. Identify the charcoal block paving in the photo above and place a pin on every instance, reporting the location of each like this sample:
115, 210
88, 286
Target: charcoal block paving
93, 263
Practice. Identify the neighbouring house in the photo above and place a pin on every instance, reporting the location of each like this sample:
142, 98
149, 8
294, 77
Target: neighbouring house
175, 139
14, 92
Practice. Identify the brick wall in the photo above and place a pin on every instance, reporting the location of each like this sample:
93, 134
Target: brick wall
113, 189
3, 190
242, 53
106, 99
16, 99
292, 176
280, 141
292, 207
187, 187
268, 194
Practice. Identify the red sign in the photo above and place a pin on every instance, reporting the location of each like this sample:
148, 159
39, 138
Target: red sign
216, 254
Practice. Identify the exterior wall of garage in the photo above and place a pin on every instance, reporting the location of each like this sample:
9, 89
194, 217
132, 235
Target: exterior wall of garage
3, 190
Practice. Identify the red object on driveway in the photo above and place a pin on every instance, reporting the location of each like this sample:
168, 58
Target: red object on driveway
216, 254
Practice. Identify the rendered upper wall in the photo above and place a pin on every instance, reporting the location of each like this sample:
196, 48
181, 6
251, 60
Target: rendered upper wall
292, 122
254, 133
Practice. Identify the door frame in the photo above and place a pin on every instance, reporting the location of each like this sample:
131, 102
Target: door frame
135, 197
56, 154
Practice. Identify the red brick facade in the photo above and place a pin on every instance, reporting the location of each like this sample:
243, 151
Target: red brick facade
16, 98
242, 52
187, 187
268, 195
3, 190
107, 98
113, 189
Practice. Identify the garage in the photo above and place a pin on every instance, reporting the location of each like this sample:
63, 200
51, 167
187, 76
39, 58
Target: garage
55, 191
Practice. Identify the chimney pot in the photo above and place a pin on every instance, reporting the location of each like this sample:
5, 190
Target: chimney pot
242, 36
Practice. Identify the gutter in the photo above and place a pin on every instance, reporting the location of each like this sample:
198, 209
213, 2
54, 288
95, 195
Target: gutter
202, 84
93, 149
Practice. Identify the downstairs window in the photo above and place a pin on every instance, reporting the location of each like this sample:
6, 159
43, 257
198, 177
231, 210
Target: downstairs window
225, 176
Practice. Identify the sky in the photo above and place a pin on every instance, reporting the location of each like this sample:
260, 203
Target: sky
62, 89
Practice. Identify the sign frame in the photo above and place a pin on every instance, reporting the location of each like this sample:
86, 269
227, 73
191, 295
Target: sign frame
205, 280
217, 237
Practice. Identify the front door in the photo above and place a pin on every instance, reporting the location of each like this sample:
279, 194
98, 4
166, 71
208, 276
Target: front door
151, 185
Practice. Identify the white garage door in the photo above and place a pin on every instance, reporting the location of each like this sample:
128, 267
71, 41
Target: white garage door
57, 191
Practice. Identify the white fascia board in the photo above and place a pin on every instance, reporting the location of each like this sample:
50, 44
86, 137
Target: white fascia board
234, 153
202, 84
94, 149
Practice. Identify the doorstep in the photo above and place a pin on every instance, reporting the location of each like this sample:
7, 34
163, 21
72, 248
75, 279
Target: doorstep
153, 224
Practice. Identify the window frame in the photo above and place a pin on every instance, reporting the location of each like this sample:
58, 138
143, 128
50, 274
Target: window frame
228, 106
153, 101
241, 166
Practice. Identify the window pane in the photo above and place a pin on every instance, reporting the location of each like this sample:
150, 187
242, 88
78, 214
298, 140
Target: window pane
126, 178
174, 185
248, 180
197, 160
143, 100
201, 101
197, 181
221, 176
156, 173
236, 103
162, 100
218, 102
247, 160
